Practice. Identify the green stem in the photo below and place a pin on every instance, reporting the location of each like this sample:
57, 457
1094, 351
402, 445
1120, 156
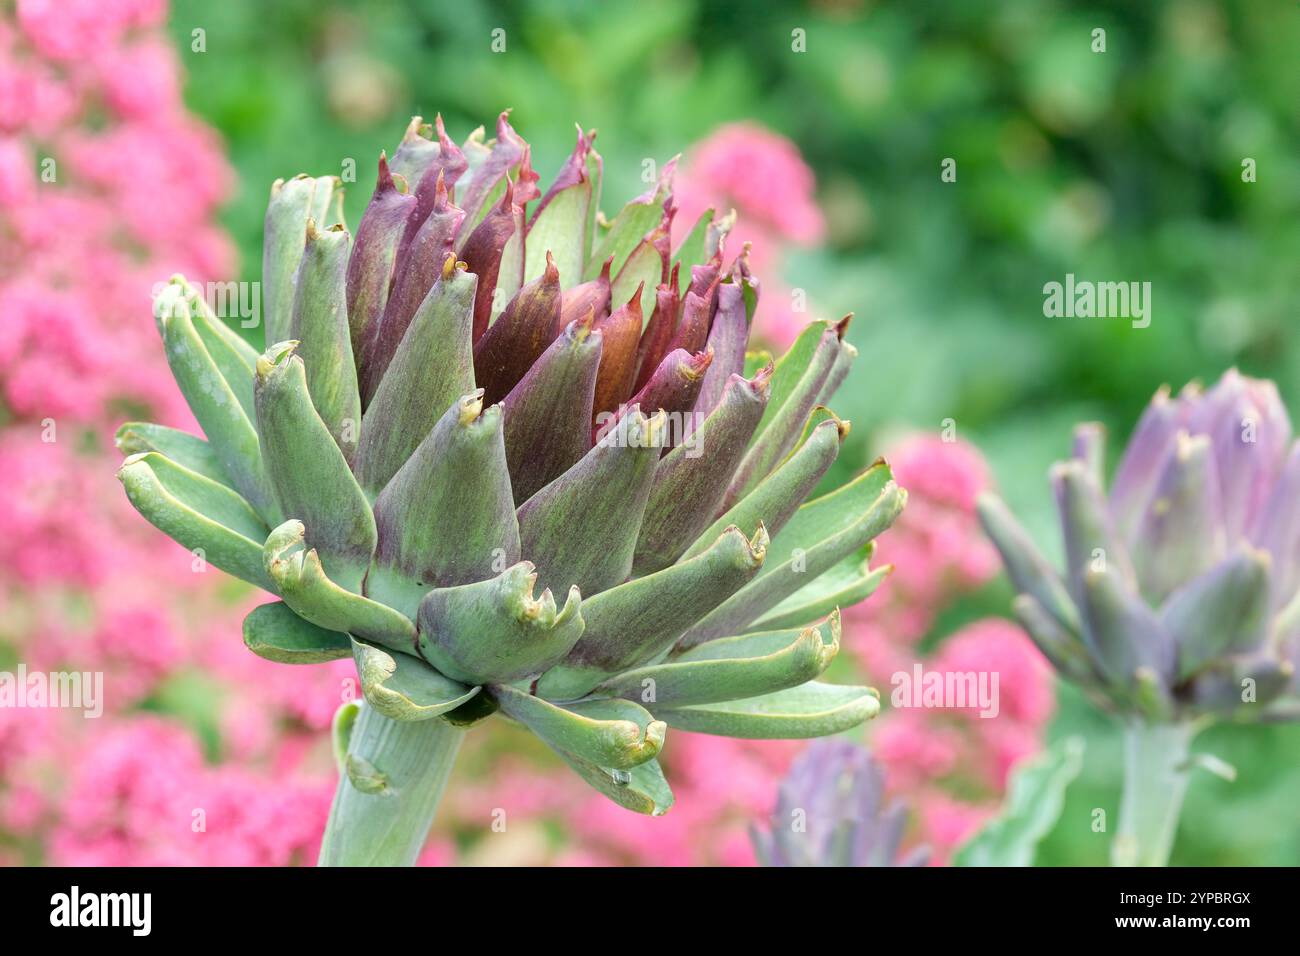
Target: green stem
393, 779
1156, 770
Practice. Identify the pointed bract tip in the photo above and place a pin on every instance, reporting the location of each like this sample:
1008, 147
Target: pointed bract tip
604, 270
634, 303
697, 364
413, 129
762, 380
443, 140
471, 406
449, 265
1187, 445
274, 357
552, 273
842, 326
579, 329
758, 543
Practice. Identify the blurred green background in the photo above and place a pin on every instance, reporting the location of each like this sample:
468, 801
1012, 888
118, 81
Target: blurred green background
1124, 165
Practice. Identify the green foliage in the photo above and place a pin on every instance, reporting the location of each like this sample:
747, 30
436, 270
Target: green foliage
1034, 801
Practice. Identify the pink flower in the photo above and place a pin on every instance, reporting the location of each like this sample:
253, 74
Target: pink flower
765, 179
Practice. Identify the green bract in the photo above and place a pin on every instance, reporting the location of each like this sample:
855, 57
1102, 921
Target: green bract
505, 455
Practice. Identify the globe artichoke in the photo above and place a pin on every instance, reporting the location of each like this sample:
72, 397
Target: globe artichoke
1180, 601
515, 459
830, 811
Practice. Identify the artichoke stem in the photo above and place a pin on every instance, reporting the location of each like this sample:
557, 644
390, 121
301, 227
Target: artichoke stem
1156, 771
389, 790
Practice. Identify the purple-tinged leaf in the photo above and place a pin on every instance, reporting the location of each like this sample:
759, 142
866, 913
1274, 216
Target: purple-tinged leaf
727, 340
433, 366
691, 480
581, 528
548, 414
590, 298
653, 346
517, 339
482, 254
620, 331
374, 253
424, 266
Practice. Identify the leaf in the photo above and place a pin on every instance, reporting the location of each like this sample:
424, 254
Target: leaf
433, 366
813, 709
777, 498
345, 718
495, 630
631, 224
642, 789
617, 734
1034, 801
189, 451
274, 632
227, 426
447, 517
849, 582
848, 526
185, 505
313, 482
788, 408
303, 583
1223, 612
559, 225
319, 325
640, 619
692, 251
402, 687
581, 529
689, 484
292, 203
733, 668
1029, 571
374, 255
548, 414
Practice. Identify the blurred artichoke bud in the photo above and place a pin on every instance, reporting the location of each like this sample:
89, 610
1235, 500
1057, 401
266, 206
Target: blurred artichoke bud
830, 811
1179, 598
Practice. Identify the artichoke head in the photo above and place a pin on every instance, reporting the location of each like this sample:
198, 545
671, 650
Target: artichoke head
513, 458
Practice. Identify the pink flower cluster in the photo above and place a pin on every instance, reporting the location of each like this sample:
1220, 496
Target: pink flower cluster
761, 175
951, 765
107, 186
936, 548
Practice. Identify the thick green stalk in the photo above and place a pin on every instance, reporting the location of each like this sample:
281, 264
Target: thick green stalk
1156, 770
392, 781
